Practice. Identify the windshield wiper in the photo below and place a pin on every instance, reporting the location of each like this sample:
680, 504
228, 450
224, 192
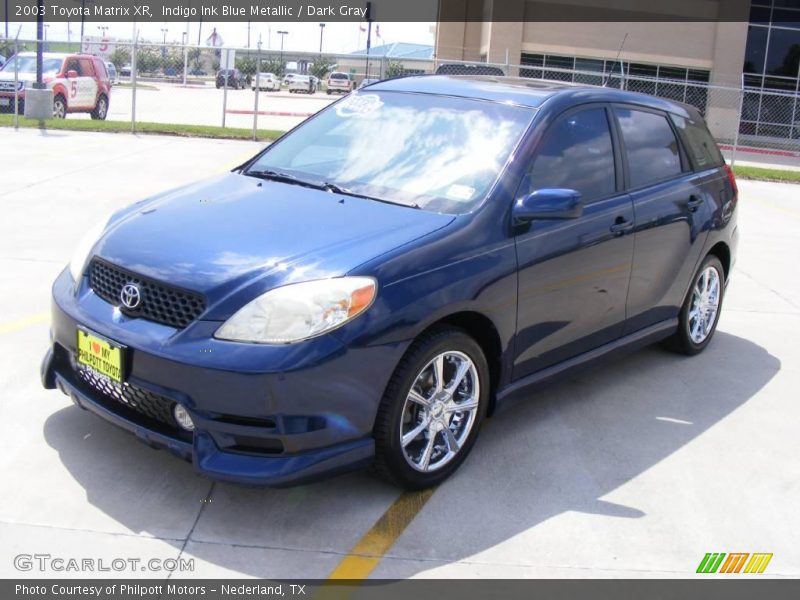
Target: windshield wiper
336, 189
326, 186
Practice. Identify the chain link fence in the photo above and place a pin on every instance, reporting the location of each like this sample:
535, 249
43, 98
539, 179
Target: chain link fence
268, 90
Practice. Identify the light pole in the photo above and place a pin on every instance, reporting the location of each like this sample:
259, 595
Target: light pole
321, 29
282, 34
248, 33
6, 13
164, 30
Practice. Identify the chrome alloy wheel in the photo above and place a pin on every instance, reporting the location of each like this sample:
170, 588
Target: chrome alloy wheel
59, 108
439, 411
705, 304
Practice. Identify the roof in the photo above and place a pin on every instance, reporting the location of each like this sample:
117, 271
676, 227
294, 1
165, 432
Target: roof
49, 54
519, 90
399, 50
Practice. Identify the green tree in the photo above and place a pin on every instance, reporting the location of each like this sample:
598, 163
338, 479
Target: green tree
120, 57
394, 68
148, 60
246, 64
273, 64
321, 66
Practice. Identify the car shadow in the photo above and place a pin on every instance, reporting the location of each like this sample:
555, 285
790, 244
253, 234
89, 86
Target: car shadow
562, 448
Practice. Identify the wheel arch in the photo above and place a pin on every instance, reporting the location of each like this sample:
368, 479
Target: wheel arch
723, 253
481, 328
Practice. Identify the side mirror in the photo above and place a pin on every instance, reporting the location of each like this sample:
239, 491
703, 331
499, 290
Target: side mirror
72, 74
548, 203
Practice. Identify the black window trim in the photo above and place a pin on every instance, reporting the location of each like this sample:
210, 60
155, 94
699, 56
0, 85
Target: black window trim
695, 167
619, 184
685, 165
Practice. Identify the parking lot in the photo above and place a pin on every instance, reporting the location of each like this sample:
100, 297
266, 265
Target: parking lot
202, 105
636, 469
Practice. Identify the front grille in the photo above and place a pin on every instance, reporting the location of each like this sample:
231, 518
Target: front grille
159, 303
142, 401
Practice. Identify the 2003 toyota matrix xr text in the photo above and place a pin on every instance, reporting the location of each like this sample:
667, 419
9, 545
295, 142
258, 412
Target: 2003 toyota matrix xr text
370, 286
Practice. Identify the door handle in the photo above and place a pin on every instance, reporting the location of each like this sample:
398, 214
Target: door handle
621, 226
694, 203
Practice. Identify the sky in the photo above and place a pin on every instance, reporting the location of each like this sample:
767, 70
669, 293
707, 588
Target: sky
337, 37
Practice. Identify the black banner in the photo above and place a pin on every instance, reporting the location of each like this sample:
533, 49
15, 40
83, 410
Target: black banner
381, 10
712, 588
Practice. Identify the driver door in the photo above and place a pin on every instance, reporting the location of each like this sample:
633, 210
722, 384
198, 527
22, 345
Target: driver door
574, 273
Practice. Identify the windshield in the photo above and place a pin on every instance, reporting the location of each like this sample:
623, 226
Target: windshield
436, 152
27, 64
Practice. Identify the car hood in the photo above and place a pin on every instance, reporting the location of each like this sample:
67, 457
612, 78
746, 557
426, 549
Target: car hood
233, 232
21, 76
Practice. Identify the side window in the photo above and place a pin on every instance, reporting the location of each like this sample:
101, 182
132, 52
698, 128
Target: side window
87, 70
650, 145
576, 153
704, 150
73, 65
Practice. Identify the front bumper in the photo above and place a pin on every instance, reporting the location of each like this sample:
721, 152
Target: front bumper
309, 418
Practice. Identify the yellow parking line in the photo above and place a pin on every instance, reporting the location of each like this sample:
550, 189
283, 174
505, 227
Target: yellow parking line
24, 322
369, 550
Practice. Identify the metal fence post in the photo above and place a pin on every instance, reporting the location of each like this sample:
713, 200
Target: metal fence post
738, 123
16, 82
258, 87
224, 94
133, 84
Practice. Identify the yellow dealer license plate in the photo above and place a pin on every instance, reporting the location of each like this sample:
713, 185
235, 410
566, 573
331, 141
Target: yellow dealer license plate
100, 355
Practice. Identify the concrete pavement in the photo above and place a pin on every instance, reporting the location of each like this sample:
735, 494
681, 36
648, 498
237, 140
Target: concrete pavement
633, 470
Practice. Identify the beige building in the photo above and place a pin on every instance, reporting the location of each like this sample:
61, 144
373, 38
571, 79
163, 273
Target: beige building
706, 46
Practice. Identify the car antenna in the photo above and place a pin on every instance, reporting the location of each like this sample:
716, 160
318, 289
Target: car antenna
616, 60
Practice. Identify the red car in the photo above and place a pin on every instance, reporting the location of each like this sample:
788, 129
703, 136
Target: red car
79, 82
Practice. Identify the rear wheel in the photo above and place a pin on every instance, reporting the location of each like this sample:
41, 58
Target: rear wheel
701, 309
100, 111
429, 417
59, 107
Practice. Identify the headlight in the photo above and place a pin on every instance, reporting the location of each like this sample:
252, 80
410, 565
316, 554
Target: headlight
299, 311
78, 261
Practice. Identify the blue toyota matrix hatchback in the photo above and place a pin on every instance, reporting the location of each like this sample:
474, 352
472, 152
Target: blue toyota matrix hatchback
370, 286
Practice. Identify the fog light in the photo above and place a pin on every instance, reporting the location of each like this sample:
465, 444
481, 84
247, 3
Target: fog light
182, 417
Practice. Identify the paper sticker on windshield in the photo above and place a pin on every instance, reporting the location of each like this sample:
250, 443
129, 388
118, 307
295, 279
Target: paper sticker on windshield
358, 104
460, 192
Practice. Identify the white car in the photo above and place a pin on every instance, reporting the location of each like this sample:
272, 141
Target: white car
340, 83
267, 82
112, 73
288, 78
303, 83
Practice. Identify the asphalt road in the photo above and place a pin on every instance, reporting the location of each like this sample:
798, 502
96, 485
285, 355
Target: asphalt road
634, 470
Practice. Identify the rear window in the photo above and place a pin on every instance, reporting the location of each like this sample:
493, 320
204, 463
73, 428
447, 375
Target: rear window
339, 76
702, 148
650, 145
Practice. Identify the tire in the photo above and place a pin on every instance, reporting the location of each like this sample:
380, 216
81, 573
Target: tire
426, 425
59, 107
329, 92
100, 111
692, 337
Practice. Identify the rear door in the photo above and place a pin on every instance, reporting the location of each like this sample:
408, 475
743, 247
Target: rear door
670, 205
574, 273
87, 83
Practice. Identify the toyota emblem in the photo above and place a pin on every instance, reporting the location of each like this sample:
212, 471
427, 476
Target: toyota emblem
130, 295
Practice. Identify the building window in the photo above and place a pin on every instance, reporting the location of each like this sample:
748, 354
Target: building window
675, 83
772, 70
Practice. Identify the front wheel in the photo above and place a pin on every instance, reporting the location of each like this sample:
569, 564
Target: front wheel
701, 309
429, 417
59, 107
